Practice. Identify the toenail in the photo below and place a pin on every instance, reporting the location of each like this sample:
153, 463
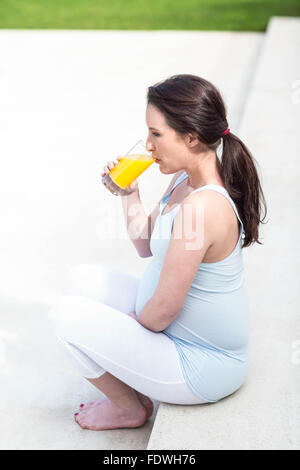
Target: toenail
75, 414
82, 404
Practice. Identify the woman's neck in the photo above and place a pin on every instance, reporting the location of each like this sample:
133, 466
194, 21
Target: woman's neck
203, 170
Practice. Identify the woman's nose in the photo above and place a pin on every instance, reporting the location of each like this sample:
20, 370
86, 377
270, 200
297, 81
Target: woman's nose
149, 146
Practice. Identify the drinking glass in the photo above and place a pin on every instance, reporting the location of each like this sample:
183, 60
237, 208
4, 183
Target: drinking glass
129, 167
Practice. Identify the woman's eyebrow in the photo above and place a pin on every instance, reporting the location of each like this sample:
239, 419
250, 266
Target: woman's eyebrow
153, 128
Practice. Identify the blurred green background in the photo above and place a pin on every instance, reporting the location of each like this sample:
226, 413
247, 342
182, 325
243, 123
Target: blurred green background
233, 15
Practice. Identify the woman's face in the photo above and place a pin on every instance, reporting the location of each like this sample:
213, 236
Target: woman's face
166, 146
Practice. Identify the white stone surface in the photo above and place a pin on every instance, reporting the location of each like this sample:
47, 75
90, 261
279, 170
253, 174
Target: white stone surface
71, 101
265, 412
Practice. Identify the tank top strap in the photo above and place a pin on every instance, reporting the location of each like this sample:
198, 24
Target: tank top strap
221, 190
179, 180
166, 198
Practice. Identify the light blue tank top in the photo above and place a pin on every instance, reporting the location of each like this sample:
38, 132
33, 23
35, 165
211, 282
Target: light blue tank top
211, 330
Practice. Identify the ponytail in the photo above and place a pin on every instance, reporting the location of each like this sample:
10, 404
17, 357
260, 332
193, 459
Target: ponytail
239, 173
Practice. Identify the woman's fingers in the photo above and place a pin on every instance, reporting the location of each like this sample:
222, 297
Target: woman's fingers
110, 165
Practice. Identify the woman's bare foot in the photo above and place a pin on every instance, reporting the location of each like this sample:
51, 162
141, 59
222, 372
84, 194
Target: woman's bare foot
106, 415
145, 401
148, 404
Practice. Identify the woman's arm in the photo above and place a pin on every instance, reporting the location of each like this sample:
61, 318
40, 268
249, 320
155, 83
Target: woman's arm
140, 225
194, 230
154, 315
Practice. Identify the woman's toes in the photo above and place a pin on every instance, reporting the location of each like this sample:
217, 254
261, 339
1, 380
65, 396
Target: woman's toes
108, 416
82, 424
79, 418
84, 406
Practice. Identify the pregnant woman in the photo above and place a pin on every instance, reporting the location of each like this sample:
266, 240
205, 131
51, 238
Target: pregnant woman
180, 333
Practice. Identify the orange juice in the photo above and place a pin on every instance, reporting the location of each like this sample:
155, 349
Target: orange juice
129, 168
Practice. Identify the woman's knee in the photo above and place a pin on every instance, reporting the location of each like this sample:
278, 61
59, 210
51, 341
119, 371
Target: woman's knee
101, 283
64, 313
81, 278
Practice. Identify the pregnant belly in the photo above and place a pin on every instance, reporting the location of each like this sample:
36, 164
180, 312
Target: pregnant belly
147, 285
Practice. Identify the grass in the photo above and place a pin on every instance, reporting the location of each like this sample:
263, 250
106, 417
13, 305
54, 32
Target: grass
224, 15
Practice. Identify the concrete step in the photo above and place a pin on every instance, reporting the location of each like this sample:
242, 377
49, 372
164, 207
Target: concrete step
265, 412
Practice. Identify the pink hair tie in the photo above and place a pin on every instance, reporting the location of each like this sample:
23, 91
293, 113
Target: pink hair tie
225, 132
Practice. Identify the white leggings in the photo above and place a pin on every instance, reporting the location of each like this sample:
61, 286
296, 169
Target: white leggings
92, 324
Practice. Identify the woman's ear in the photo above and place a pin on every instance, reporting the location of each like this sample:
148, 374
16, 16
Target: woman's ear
192, 140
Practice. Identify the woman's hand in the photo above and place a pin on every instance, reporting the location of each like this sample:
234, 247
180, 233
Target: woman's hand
110, 165
133, 187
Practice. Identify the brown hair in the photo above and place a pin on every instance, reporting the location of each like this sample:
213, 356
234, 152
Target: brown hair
191, 104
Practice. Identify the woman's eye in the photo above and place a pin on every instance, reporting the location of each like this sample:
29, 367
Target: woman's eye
156, 134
